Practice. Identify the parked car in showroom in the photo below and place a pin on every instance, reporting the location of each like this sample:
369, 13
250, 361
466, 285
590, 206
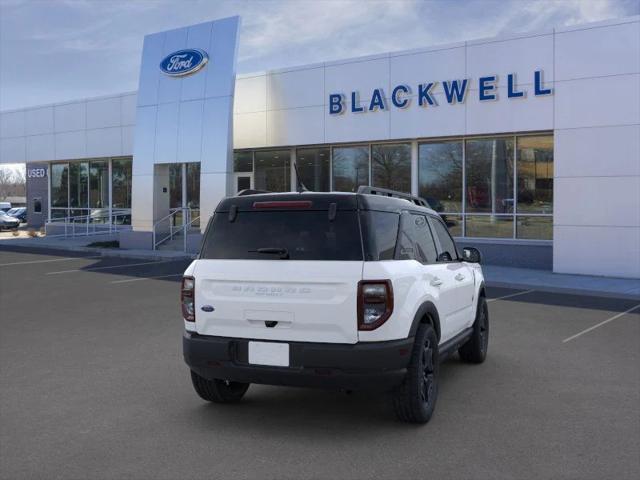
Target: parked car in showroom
8, 222
354, 291
19, 212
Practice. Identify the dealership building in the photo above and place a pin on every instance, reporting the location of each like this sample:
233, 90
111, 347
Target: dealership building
528, 145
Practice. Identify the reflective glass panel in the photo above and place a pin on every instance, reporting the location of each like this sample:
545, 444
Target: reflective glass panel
175, 185
489, 172
121, 182
391, 166
193, 191
59, 185
99, 184
440, 175
536, 228
350, 168
313, 168
489, 226
243, 161
535, 174
79, 184
272, 171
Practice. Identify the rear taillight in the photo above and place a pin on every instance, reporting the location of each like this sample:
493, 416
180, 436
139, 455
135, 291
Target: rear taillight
187, 295
375, 303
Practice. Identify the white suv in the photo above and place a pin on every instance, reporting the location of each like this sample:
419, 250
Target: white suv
338, 290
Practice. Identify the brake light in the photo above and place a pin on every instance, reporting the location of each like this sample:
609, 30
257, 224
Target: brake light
187, 298
283, 204
375, 303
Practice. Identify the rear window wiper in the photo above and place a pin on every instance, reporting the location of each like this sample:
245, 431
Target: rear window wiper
283, 252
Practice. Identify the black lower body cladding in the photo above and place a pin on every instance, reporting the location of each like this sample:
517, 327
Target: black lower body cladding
374, 366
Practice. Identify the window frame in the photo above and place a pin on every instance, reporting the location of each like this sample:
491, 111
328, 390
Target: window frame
436, 238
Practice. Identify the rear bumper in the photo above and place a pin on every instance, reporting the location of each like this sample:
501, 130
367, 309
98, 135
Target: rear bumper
363, 366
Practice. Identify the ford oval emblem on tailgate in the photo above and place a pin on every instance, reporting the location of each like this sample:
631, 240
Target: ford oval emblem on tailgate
207, 308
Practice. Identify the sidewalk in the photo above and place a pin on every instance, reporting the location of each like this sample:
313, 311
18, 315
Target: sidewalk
496, 276
545, 280
79, 244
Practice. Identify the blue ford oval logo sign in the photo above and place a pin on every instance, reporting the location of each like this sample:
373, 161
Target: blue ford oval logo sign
184, 62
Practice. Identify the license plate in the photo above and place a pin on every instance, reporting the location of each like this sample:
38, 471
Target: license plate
268, 353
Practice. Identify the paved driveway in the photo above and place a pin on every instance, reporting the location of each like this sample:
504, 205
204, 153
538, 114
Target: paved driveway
92, 385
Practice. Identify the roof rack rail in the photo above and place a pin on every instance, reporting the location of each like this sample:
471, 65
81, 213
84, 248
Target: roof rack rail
249, 191
392, 193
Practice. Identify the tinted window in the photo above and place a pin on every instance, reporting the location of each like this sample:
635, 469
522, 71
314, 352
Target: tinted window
306, 235
415, 241
426, 248
447, 246
381, 231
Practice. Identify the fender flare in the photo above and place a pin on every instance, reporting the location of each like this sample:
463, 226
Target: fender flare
481, 290
426, 309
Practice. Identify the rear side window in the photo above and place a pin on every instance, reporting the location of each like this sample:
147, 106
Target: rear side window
447, 245
380, 232
416, 242
304, 235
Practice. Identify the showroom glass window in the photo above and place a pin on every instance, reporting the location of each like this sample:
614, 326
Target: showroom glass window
243, 161
440, 180
175, 185
272, 170
99, 184
391, 166
60, 185
350, 168
489, 187
193, 191
314, 168
534, 187
121, 183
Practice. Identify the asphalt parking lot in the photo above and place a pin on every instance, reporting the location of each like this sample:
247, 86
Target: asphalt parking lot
92, 385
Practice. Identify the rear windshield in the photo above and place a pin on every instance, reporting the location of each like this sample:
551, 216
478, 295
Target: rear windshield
278, 235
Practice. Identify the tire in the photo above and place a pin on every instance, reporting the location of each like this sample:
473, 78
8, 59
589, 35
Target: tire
475, 350
218, 391
414, 401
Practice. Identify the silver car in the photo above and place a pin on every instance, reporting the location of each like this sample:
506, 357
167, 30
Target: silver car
8, 222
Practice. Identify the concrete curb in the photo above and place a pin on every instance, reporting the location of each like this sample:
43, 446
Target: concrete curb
109, 252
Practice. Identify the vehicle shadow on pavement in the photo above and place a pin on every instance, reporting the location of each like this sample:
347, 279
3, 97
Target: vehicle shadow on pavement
302, 412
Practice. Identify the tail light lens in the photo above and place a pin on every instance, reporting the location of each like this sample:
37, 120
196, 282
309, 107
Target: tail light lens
187, 299
375, 303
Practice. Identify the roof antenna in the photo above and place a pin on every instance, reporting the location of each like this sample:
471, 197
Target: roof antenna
300, 187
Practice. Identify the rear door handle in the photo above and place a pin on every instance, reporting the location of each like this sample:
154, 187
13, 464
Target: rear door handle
436, 282
459, 277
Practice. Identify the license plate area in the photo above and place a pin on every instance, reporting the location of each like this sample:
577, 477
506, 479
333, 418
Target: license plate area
269, 353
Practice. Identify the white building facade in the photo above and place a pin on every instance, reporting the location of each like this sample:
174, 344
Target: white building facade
528, 145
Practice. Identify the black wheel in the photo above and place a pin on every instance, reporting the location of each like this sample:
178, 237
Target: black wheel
218, 391
415, 400
475, 350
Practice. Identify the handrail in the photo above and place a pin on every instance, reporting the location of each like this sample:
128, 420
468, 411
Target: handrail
184, 210
91, 224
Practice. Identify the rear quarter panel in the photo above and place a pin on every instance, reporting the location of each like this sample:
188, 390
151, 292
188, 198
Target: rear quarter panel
411, 289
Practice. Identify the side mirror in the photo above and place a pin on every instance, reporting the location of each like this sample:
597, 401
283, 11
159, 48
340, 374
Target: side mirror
471, 255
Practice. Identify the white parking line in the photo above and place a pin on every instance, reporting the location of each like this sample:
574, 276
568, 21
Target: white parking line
147, 278
510, 296
46, 261
104, 268
568, 339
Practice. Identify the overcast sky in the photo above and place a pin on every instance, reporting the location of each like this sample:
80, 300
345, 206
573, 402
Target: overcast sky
57, 50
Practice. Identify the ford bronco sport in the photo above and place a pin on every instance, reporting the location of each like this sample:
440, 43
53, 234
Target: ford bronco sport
351, 291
